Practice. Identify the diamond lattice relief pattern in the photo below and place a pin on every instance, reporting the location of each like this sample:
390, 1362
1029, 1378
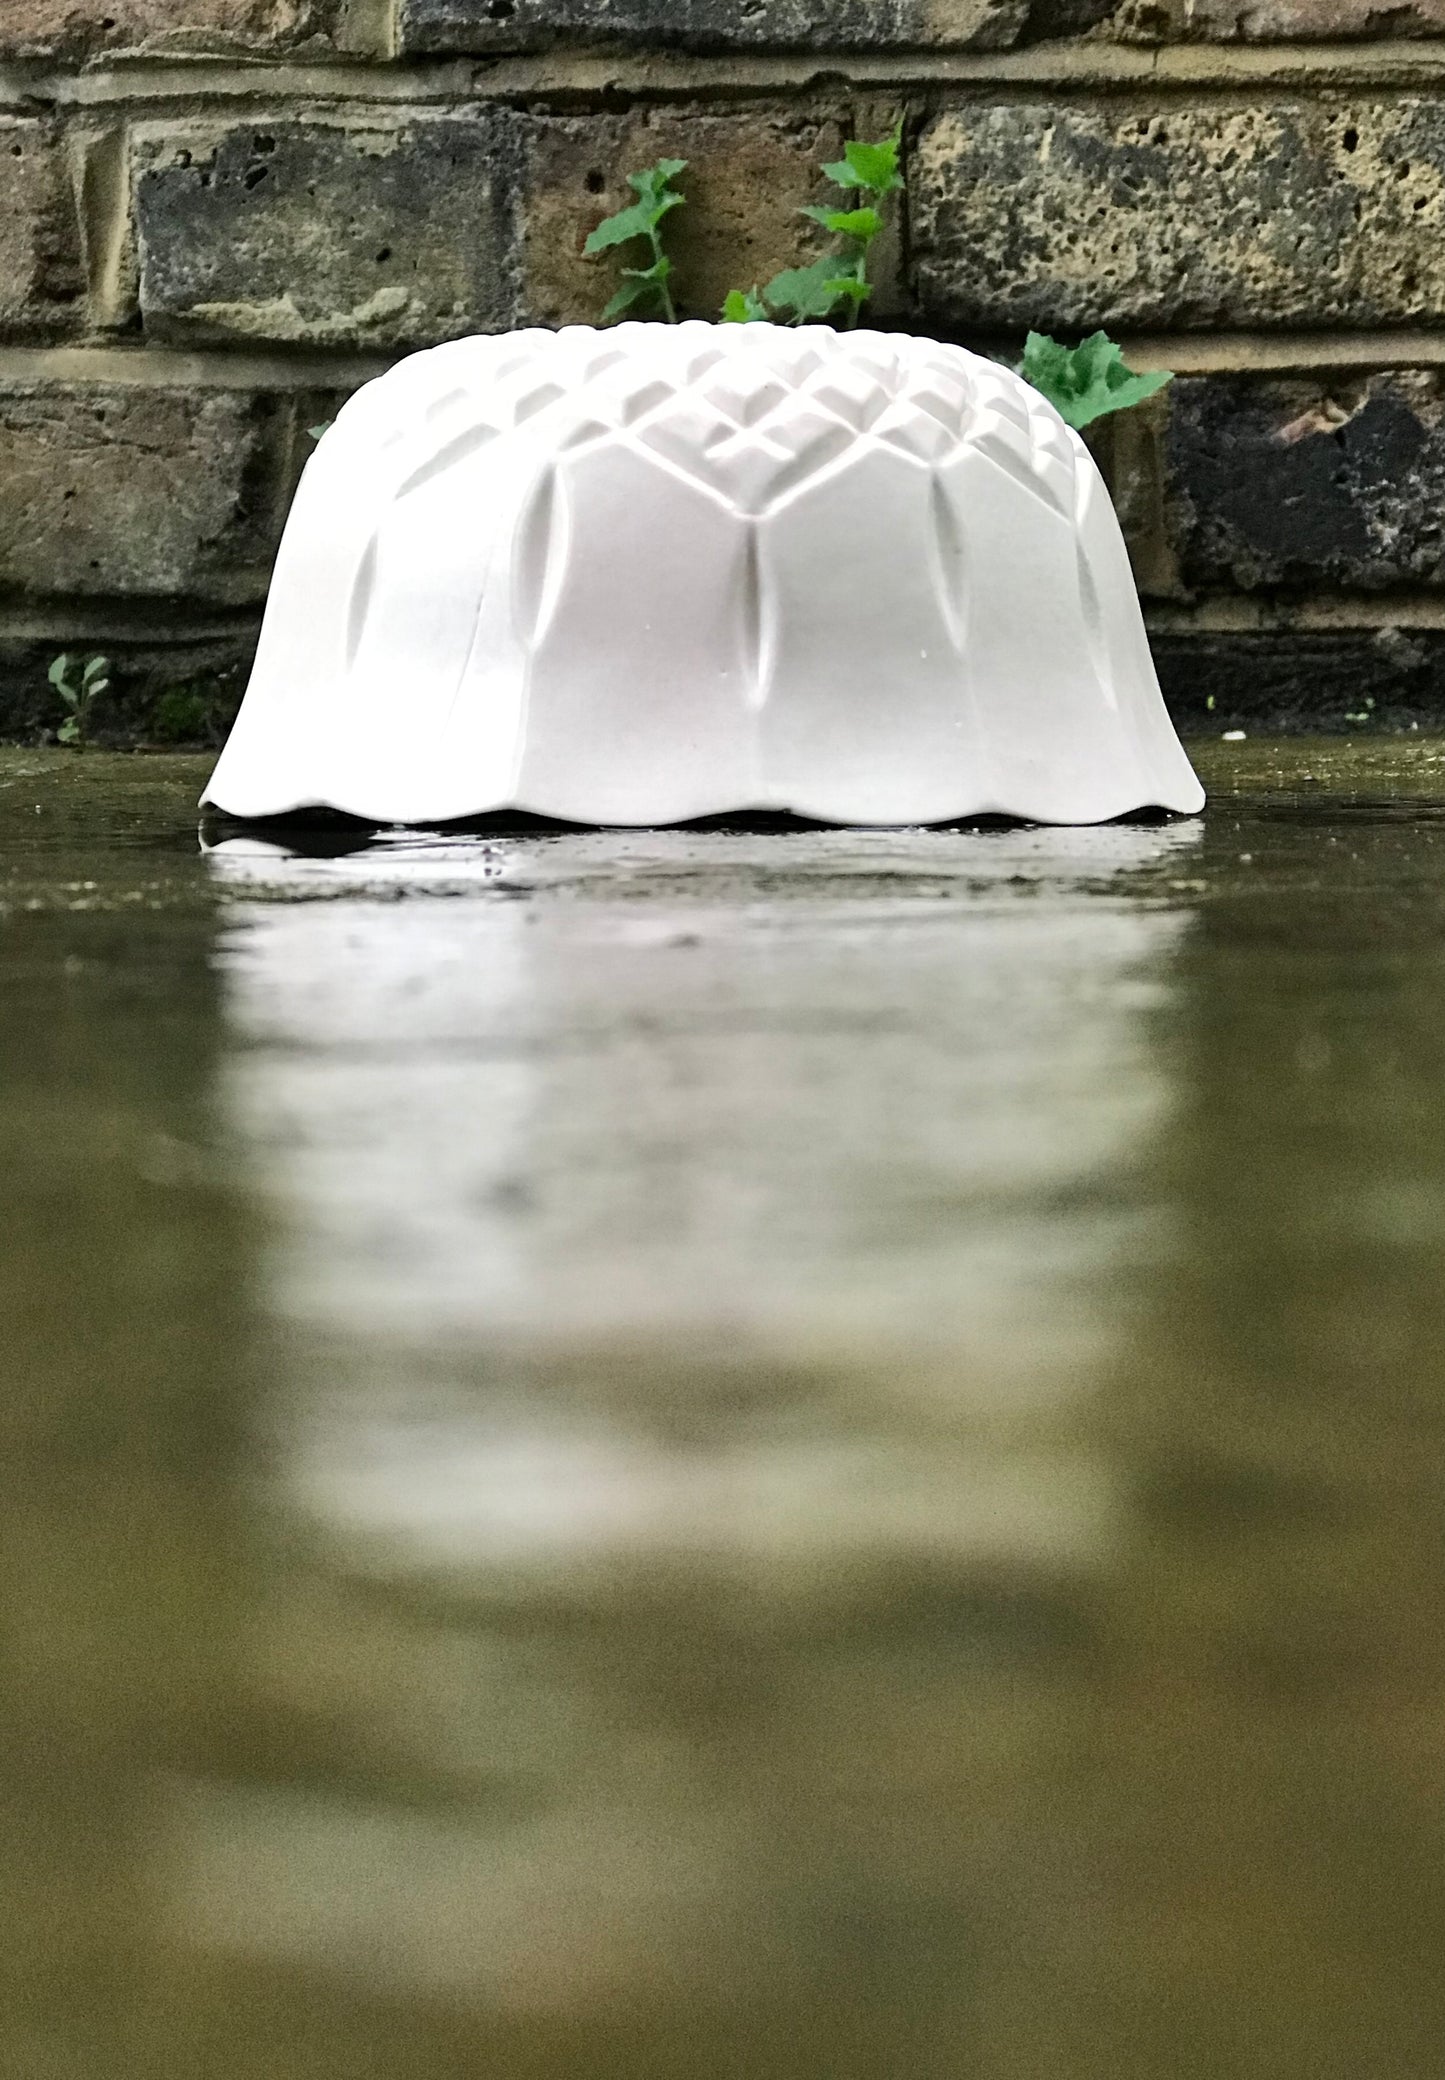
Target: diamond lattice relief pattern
750, 427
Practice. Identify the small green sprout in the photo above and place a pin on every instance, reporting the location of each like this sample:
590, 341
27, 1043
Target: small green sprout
319, 433
873, 167
816, 291
79, 686
745, 307
643, 286
1088, 381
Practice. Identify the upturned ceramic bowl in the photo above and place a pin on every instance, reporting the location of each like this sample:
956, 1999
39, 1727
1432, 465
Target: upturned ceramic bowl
659, 572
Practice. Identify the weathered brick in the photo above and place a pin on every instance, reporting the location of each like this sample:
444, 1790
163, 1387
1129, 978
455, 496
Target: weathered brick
1310, 485
76, 28
748, 176
1326, 21
1238, 21
40, 274
1287, 213
487, 25
393, 235
114, 490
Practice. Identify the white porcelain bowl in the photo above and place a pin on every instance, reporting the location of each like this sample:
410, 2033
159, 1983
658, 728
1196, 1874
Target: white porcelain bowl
657, 572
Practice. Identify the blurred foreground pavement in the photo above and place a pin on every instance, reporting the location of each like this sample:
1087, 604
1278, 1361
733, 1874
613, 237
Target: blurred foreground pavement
782, 1455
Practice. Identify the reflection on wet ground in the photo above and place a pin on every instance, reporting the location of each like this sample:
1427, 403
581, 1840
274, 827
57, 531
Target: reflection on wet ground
783, 1455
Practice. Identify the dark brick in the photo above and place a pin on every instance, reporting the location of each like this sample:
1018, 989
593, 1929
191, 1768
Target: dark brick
114, 490
1051, 18
749, 174
41, 283
171, 689
488, 25
78, 28
1291, 680
393, 235
1303, 485
1281, 680
1287, 213
1129, 449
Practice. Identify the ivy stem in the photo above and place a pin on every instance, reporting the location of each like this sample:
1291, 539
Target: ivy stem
855, 303
661, 262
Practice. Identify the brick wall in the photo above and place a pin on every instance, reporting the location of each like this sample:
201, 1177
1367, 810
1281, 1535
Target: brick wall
219, 216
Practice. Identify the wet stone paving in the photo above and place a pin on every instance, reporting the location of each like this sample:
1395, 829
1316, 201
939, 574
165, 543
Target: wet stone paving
746, 1453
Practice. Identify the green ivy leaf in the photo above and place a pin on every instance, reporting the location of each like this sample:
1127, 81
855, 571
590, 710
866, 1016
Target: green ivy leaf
863, 225
744, 307
806, 292
653, 179
870, 166
654, 187
1087, 382
636, 221
628, 297
849, 286
1049, 365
